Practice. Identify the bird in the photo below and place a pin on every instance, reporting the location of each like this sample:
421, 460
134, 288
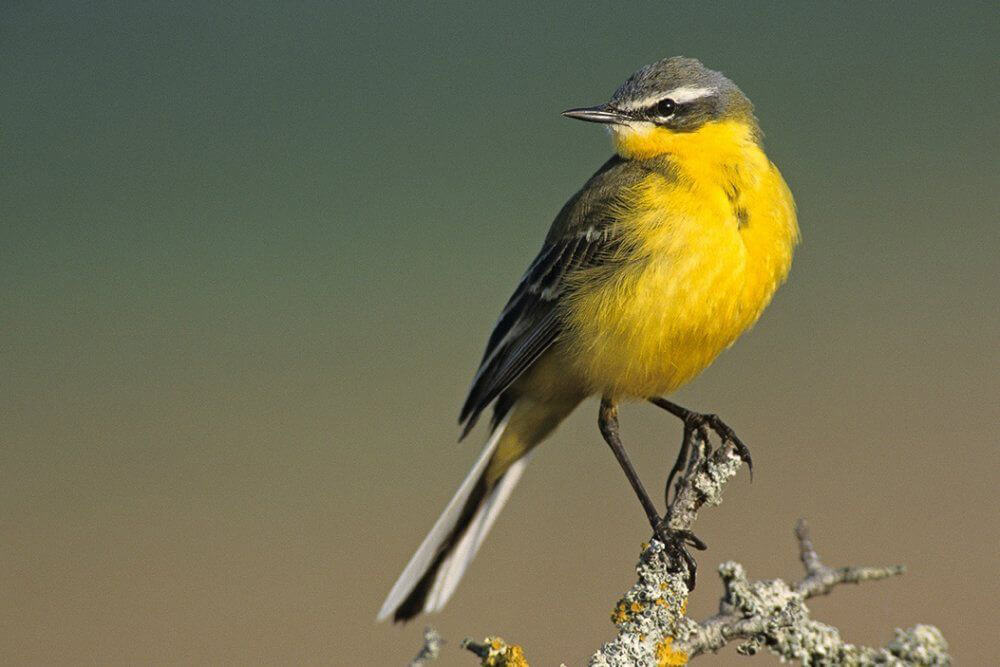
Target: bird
665, 256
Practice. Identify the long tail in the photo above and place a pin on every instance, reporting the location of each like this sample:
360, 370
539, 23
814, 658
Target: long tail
433, 573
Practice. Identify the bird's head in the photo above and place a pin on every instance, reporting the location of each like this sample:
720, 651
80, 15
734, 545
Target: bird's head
673, 104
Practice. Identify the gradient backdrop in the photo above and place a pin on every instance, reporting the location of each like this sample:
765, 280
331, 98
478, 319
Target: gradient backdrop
250, 254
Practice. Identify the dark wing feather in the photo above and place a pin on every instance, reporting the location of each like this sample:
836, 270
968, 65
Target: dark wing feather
582, 235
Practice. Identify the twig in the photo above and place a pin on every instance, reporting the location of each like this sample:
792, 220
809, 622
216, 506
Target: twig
774, 614
821, 579
430, 650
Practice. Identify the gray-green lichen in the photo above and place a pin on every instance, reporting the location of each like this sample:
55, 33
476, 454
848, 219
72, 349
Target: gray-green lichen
651, 615
774, 614
649, 612
703, 486
654, 631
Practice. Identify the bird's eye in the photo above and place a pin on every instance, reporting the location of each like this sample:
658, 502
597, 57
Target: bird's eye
664, 107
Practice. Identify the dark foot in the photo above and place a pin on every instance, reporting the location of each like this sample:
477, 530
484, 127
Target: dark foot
726, 434
695, 423
677, 543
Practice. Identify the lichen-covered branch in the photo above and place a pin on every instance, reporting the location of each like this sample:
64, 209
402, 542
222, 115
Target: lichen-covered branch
821, 579
651, 616
702, 483
654, 630
773, 614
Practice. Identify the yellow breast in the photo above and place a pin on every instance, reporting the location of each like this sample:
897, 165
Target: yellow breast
706, 244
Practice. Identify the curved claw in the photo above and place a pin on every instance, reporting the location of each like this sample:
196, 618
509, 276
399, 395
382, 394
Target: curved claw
693, 540
744, 453
728, 435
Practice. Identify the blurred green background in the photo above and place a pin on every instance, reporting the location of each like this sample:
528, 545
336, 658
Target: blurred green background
250, 252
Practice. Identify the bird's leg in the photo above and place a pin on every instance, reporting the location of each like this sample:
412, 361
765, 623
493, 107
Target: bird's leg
607, 421
698, 421
675, 541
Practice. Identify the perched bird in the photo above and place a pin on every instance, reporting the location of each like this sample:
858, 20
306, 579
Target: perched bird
667, 254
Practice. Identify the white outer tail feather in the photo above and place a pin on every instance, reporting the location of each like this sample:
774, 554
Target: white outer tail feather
454, 566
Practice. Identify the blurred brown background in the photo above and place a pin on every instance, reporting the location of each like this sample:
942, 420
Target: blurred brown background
250, 254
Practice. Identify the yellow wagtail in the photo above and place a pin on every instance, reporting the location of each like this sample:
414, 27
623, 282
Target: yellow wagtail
664, 257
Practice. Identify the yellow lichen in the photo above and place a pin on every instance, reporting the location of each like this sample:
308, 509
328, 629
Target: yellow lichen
502, 654
620, 613
512, 657
666, 655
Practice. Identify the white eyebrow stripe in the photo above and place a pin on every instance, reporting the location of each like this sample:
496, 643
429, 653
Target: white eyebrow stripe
679, 95
687, 94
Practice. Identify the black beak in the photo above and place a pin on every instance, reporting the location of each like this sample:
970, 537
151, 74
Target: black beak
602, 113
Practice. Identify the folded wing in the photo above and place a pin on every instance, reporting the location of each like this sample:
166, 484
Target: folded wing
584, 234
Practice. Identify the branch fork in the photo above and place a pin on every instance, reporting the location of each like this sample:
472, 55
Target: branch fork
654, 630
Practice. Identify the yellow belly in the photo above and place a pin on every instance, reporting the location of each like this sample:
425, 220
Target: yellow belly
698, 267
